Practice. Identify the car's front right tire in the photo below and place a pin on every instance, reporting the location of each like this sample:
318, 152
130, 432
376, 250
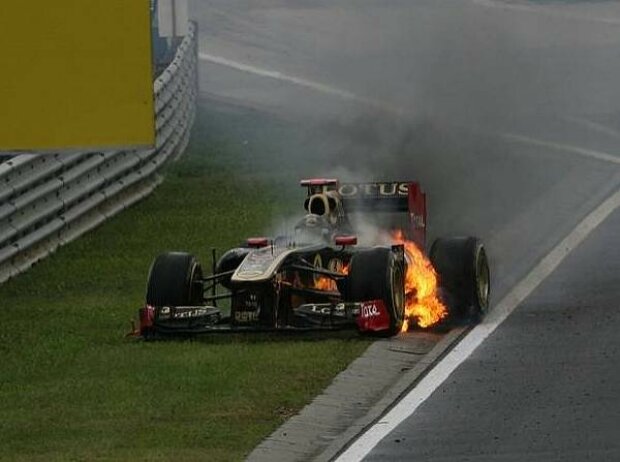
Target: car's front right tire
375, 274
464, 276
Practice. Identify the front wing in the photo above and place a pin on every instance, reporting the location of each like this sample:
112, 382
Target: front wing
368, 316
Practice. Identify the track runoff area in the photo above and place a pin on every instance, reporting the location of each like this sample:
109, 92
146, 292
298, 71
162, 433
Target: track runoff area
498, 314
409, 403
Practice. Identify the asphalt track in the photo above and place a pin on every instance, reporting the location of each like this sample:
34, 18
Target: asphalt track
502, 140
508, 112
544, 385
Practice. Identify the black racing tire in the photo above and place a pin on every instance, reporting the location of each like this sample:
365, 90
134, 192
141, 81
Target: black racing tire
175, 279
464, 276
377, 275
229, 261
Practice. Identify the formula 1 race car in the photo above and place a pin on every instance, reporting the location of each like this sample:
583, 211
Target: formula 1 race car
317, 276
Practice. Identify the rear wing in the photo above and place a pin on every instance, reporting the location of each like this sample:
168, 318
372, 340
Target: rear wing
392, 196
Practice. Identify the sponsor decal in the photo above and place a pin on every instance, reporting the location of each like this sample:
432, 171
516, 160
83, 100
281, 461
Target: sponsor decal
164, 312
369, 311
184, 313
325, 309
246, 316
374, 190
251, 302
249, 311
321, 309
418, 220
373, 317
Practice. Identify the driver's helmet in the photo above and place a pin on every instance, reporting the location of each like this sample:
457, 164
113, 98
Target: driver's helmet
326, 204
312, 228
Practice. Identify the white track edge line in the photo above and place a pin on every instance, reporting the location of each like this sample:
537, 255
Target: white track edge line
598, 155
347, 95
598, 127
522, 7
436, 376
317, 86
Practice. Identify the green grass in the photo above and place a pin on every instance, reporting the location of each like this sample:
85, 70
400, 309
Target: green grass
72, 387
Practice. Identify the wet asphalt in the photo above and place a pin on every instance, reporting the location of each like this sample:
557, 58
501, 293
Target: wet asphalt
544, 386
509, 115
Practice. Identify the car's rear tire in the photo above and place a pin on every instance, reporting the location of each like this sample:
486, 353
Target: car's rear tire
464, 277
377, 275
175, 279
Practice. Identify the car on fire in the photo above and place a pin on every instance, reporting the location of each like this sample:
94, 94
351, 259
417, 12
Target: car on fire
319, 277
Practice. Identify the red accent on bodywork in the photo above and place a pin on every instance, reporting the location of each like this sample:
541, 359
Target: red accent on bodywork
258, 242
147, 318
417, 214
345, 240
373, 317
318, 182
320, 185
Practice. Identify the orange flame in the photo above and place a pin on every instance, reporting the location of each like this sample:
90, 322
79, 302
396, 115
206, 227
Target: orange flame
422, 304
329, 284
325, 283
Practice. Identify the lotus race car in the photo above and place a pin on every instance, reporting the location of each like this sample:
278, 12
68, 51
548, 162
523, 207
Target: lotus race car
318, 276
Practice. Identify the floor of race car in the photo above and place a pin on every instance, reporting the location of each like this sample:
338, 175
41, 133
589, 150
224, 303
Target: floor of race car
356, 397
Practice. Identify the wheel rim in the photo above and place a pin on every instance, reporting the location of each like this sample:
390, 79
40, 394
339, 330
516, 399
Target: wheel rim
398, 295
483, 280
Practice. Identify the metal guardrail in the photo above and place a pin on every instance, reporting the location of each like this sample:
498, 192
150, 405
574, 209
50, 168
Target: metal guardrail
47, 200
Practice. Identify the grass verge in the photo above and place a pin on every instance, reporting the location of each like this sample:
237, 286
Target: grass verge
73, 388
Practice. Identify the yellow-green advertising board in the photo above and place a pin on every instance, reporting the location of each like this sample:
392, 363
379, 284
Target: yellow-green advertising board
75, 74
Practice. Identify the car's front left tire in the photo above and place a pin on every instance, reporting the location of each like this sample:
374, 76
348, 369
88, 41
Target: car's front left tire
175, 279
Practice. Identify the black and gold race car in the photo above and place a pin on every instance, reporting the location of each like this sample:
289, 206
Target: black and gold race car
319, 276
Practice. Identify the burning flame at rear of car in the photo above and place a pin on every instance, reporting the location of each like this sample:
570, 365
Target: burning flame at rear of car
422, 304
